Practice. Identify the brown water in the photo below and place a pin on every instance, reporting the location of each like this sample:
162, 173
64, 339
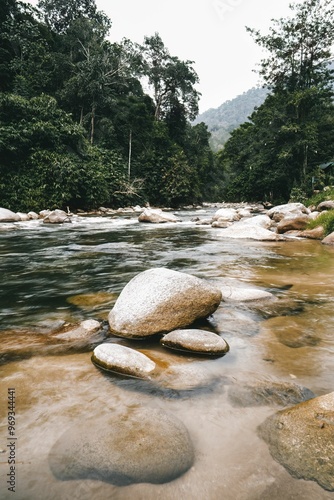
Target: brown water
53, 274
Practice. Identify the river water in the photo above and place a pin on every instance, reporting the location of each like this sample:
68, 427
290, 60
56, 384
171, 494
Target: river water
69, 273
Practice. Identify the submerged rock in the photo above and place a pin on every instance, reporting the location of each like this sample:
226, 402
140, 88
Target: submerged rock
123, 360
301, 438
245, 294
268, 393
135, 445
84, 330
161, 300
196, 341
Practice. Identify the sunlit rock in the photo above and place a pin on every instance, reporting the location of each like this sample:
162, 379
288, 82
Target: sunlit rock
124, 360
131, 445
8, 216
280, 211
32, 215
245, 294
156, 216
313, 234
329, 240
56, 217
195, 341
326, 205
293, 223
226, 214
255, 228
23, 216
301, 438
161, 300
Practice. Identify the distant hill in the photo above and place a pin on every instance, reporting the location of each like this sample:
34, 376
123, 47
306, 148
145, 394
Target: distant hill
229, 115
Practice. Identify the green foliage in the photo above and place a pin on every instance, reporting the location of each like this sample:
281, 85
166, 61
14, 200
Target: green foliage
297, 195
324, 195
326, 220
288, 136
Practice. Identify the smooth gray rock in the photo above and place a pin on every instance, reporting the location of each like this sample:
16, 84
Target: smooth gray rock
329, 240
122, 359
156, 216
326, 205
8, 216
56, 217
161, 300
301, 438
280, 211
132, 445
196, 341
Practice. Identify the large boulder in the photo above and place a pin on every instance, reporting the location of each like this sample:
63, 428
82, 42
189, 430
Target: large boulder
329, 240
326, 205
56, 217
226, 214
160, 300
255, 228
8, 216
293, 223
301, 438
313, 234
280, 211
156, 216
133, 445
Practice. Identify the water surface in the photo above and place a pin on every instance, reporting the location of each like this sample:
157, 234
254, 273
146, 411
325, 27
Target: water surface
68, 273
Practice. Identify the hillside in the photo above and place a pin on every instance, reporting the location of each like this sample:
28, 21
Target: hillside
229, 115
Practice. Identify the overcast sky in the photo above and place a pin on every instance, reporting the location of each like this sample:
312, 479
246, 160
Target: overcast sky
209, 32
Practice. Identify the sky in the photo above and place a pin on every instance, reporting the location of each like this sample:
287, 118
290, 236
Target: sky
209, 32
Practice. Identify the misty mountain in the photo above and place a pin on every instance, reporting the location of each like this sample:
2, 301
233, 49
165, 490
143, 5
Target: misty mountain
229, 115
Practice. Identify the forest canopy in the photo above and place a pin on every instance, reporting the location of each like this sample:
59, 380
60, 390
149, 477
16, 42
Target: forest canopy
78, 130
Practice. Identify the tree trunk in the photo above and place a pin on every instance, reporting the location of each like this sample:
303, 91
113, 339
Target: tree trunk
92, 125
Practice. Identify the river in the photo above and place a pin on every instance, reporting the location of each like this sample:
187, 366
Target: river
69, 273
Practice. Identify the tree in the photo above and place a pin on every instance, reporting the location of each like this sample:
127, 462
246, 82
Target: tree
173, 82
60, 15
297, 69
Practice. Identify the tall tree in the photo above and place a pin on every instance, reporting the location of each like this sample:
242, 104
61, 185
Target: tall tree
297, 68
172, 81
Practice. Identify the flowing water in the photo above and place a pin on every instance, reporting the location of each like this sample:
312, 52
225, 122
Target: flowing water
69, 273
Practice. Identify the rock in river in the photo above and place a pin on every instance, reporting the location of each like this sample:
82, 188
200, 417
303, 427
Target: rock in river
124, 360
196, 341
161, 300
156, 216
301, 438
132, 445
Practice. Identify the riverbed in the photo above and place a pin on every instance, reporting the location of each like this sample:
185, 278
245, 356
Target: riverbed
55, 275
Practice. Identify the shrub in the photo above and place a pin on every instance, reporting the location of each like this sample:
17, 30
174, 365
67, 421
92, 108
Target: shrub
325, 219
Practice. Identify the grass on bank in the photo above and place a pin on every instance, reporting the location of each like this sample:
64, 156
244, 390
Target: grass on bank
326, 220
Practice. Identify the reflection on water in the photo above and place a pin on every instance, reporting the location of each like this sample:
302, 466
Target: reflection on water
70, 273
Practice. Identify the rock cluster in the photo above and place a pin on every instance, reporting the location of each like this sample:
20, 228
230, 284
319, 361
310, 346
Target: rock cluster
160, 300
